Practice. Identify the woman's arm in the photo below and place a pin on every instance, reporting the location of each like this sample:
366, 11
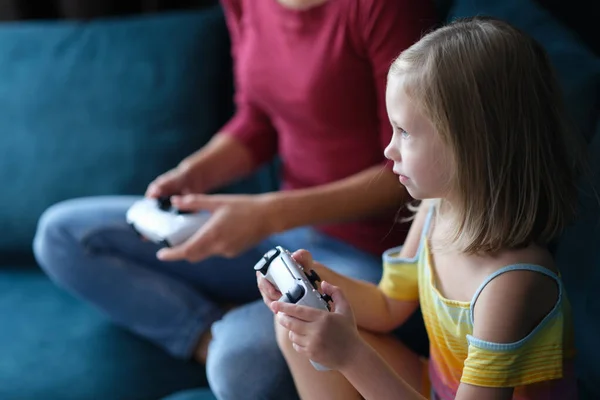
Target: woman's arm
222, 160
364, 194
385, 28
248, 139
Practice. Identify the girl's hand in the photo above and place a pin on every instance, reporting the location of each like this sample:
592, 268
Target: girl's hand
270, 293
267, 290
305, 259
237, 222
328, 338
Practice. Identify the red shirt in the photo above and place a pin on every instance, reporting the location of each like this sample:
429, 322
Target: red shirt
310, 86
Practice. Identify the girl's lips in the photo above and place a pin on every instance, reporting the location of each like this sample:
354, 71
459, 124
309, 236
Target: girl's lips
403, 178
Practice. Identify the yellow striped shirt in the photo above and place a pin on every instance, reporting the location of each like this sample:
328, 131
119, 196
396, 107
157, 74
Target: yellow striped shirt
538, 366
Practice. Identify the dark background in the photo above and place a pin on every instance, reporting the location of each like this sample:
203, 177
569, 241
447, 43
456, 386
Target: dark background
579, 15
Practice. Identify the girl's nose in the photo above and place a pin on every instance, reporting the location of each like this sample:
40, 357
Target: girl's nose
391, 152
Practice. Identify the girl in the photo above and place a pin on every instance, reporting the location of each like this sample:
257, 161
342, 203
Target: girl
479, 137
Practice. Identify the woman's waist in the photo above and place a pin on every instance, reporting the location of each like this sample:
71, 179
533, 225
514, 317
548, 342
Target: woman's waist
373, 235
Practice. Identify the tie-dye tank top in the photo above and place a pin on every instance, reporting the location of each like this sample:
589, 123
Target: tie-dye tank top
539, 366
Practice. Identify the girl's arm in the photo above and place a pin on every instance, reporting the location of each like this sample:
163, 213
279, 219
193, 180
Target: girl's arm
373, 310
508, 310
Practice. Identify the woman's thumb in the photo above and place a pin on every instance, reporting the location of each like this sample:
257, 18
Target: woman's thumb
340, 304
196, 202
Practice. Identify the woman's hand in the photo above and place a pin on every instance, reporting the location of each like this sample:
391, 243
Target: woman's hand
328, 338
237, 223
170, 183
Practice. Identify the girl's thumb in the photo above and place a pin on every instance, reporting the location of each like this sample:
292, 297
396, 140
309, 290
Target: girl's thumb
341, 305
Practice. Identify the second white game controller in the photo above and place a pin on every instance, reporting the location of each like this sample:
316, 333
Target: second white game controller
297, 287
158, 221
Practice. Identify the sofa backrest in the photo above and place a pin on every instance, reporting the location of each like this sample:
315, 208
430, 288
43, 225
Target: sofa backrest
103, 107
578, 257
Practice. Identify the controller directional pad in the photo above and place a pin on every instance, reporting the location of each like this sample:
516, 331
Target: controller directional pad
313, 277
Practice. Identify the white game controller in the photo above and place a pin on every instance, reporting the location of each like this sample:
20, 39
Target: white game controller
158, 221
297, 287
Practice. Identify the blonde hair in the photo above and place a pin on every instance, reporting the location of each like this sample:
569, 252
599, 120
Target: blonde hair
491, 94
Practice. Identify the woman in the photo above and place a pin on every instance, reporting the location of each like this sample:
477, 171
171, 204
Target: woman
310, 84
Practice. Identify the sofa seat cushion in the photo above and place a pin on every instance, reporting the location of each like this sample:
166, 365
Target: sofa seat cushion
56, 347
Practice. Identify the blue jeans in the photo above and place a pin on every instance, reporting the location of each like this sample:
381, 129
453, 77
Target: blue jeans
86, 247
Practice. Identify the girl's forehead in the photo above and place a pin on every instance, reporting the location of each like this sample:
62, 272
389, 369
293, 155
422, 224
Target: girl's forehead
395, 90
399, 101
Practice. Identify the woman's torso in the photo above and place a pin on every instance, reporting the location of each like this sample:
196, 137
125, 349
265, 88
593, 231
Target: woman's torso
313, 72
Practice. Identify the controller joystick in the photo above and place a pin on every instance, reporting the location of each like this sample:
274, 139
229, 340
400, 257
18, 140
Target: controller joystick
164, 203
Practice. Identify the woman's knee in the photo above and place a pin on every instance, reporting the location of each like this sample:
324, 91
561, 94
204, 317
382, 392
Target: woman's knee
57, 244
63, 225
249, 364
52, 234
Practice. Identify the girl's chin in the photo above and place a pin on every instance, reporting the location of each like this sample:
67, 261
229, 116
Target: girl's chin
415, 194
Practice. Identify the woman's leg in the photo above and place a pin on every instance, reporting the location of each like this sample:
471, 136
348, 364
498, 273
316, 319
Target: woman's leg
244, 361
86, 246
313, 384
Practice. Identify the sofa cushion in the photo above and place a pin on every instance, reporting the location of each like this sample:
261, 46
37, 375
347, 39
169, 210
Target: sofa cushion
194, 394
54, 346
103, 107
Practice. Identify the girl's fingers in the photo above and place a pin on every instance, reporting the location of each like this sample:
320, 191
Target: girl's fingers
298, 340
293, 324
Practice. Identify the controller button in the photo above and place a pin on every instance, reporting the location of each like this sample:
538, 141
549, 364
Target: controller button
164, 243
271, 254
262, 265
327, 298
313, 277
164, 203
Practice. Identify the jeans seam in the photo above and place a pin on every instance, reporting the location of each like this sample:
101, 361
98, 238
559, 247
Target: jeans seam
196, 325
203, 322
86, 238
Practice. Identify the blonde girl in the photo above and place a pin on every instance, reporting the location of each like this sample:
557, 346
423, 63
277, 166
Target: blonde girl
479, 137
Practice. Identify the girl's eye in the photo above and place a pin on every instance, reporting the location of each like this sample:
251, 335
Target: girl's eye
403, 133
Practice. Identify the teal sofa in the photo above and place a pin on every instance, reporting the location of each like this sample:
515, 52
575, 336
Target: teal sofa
93, 108
102, 107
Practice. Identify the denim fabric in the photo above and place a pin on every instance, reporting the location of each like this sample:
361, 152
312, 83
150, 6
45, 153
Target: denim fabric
86, 247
